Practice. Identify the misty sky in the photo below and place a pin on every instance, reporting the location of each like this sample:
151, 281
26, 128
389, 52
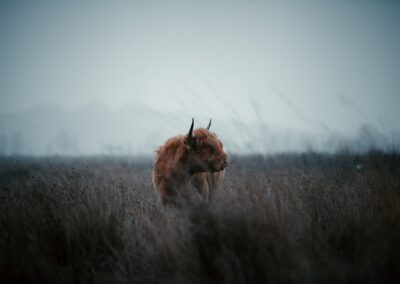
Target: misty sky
308, 65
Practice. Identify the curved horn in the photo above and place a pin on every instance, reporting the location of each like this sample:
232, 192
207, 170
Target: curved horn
191, 129
209, 125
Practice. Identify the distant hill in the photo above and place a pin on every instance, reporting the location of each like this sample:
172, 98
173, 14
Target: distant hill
95, 129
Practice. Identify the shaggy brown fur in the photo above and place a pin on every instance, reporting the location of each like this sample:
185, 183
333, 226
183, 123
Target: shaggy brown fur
199, 160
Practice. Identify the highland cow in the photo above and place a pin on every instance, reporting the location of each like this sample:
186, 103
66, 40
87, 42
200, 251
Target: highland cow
197, 158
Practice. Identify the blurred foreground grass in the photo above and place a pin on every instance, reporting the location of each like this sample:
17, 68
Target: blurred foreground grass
295, 218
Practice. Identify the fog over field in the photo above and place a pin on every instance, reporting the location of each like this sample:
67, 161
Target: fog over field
102, 77
303, 94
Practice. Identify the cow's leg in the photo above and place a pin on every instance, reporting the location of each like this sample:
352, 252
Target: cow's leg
199, 181
215, 182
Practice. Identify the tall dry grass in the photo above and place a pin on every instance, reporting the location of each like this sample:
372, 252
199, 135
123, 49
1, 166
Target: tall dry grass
299, 218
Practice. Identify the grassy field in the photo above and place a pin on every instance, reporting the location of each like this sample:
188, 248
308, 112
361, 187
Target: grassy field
295, 218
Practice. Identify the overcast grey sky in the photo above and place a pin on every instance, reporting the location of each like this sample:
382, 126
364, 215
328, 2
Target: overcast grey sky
303, 64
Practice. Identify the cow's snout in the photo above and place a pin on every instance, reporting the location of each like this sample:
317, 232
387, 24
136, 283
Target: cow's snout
226, 162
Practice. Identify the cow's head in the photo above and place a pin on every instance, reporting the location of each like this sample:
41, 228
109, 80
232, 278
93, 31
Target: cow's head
205, 152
